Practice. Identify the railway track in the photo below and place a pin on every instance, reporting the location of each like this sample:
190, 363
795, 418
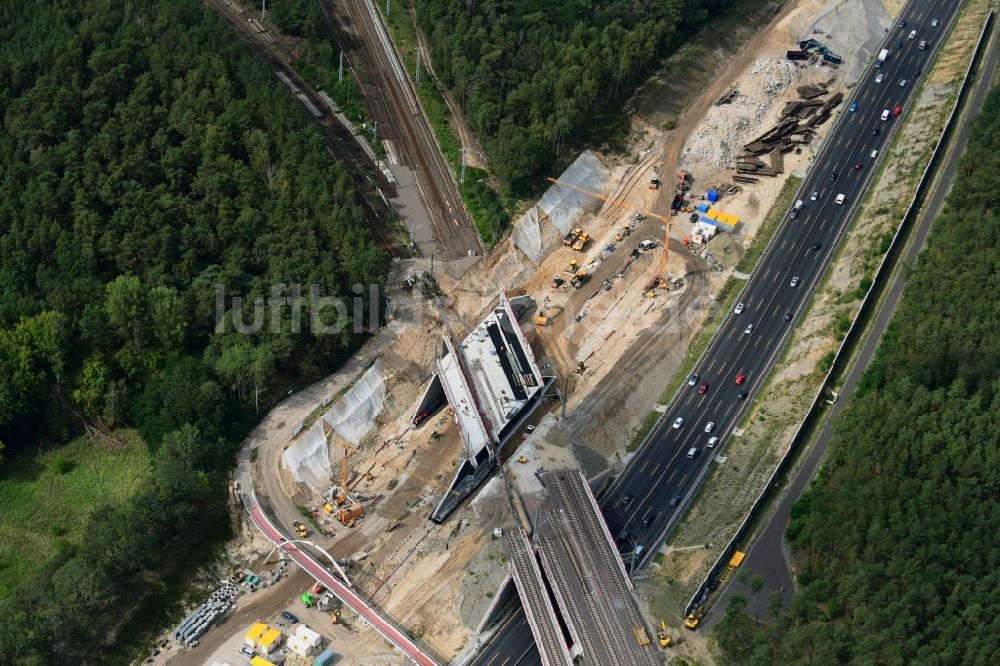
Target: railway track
341, 143
357, 25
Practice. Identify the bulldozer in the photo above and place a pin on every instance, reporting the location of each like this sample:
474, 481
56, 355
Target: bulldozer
572, 267
541, 319
581, 278
662, 635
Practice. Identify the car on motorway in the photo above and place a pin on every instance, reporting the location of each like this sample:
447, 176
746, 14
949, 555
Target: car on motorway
748, 330
935, 23
903, 82
884, 116
839, 199
874, 153
678, 422
857, 167
627, 499
896, 110
913, 33
899, 45
648, 520
712, 441
741, 395
703, 389
693, 452
675, 500
814, 196
740, 378
815, 247
854, 107
739, 308
833, 176
902, 24
288, 617
693, 379
876, 131
878, 79
794, 282
788, 315
709, 426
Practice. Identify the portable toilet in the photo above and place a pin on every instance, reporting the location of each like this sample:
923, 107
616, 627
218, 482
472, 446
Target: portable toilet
270, 641
324, 658
713, 195
712, 214
703, 208
254, 634
306, 634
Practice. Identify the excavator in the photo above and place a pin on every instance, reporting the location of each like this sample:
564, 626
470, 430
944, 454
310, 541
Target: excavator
662, 635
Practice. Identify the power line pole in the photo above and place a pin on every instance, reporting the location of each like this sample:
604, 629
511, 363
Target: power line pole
419, 49
340, 78
387, 7
461, 177
263, 10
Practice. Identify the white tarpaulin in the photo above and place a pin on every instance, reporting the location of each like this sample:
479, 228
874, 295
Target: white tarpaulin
352, 417
559, 207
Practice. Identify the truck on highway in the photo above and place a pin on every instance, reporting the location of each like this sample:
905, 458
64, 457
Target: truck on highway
882, 55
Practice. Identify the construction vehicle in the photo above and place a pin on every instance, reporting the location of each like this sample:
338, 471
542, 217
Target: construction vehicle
341, 496
347, 515
334, 617
307, 600
624, 233
693, 619
522, 459
581, 241
571, 237
300, 529
327, 507
654, 180
661, 274
573, 267
581, 278
317, 588
557, 281
541, 319
662, 635
641, 637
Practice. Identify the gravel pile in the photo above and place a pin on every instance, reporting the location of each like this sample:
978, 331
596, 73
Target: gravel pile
727, 127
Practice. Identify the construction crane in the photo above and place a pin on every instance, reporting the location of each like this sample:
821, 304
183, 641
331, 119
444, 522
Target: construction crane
661, 273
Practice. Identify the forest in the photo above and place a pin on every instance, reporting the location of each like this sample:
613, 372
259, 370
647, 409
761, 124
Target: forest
533, 76
897, 539
151, 170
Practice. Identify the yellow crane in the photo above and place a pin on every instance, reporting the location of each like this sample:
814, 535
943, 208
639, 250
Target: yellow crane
661, 273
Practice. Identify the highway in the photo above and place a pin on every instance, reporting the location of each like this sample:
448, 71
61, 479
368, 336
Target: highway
801, 248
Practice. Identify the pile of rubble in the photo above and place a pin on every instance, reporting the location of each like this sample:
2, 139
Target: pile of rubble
736, 113
797, 127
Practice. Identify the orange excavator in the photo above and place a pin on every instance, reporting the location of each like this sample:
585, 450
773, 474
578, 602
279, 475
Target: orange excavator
661, 274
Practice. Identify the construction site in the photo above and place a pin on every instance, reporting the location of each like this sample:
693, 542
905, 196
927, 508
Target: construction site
424, 462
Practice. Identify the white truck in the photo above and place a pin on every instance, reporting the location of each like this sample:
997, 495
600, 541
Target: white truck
883, 54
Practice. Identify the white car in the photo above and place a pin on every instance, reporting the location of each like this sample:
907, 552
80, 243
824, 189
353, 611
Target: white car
678, 423
739, 308
712, 441
875, 153
748, 330
878, 79
913, 33
795, 281
903, 82
839, 199
815, 195
935, 23
709, 426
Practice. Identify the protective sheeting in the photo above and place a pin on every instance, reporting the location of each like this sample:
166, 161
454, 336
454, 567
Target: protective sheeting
352, 417
559, 207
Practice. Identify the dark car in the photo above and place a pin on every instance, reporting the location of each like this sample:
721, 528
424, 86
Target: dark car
741, 395
788, 316
816, 247
876, 131
291, 619
833, 176
675, 500
899, 45
627, 499
902, 24
648, 520
703, 388
857, 167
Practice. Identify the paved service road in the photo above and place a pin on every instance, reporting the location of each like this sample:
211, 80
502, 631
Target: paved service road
748, 343
767, 555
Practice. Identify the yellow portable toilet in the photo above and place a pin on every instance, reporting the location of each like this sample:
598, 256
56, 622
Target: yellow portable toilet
260, 661
254, 634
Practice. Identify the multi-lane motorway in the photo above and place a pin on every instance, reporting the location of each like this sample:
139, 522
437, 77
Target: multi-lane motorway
638, 505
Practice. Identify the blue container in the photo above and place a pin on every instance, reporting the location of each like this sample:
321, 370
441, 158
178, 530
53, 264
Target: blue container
324, 658
703, 207
713, 196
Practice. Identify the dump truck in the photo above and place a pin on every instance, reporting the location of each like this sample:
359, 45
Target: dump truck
580, 279
640, 636
571, 237
654, 182
581, 241
882, 55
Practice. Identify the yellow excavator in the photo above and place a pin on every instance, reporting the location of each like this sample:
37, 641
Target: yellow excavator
662, 635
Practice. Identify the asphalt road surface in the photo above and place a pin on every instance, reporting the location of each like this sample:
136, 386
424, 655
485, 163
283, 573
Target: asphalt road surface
637, 505
767, 556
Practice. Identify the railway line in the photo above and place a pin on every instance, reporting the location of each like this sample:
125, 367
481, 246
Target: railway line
357, 25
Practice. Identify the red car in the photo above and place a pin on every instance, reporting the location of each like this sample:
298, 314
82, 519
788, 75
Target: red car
703, 388
898, 110
740, 378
